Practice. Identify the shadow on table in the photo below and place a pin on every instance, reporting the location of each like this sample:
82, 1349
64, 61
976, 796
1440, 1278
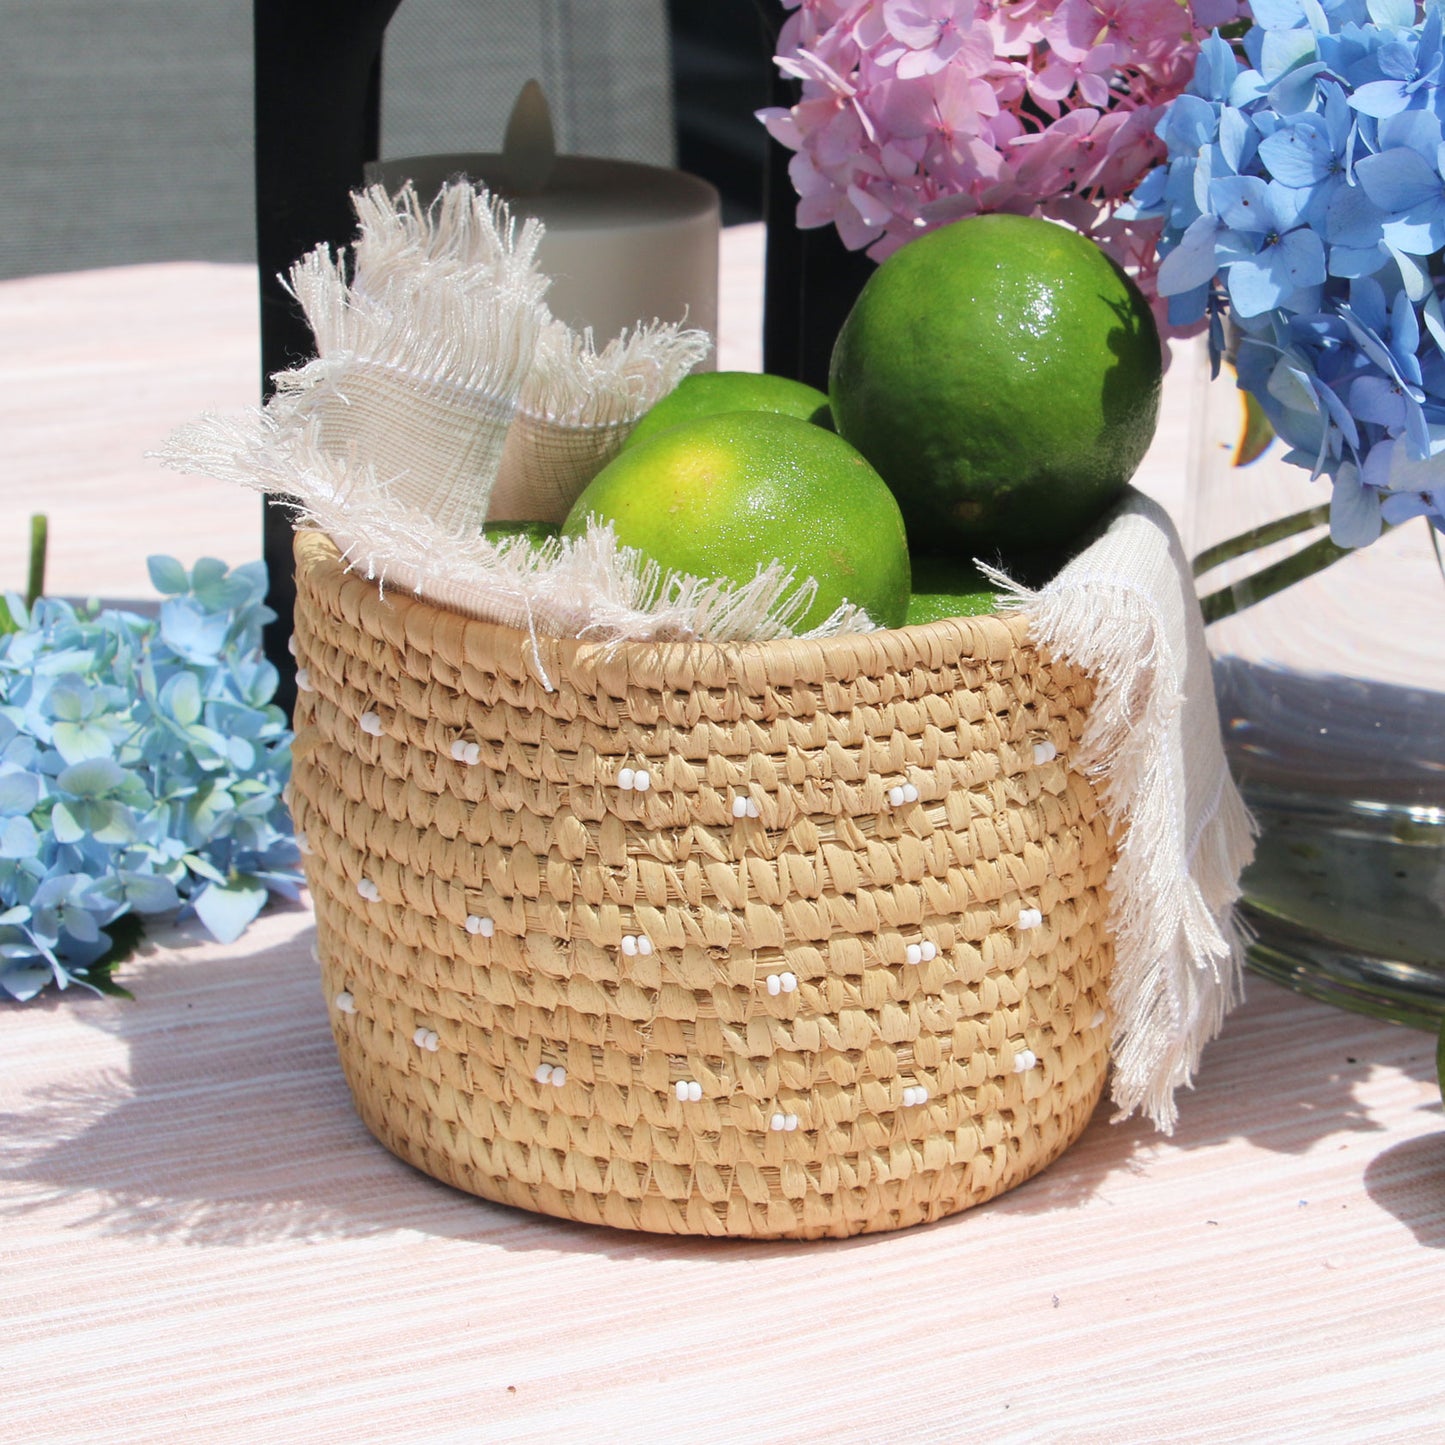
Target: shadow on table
233, 1124
1408, 1181
1286, 1073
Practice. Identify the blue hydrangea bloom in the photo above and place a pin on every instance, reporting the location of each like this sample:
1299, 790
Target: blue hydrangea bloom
142, 764
1304, 197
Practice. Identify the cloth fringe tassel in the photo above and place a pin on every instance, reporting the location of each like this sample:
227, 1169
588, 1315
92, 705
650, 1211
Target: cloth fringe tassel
443, 394
1125, 612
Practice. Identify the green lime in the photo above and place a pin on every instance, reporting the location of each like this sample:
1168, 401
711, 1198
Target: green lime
708, 393
943, 587
532, 531
1003, 375
723, 496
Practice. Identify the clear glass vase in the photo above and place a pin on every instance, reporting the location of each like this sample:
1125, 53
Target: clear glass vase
1332, 698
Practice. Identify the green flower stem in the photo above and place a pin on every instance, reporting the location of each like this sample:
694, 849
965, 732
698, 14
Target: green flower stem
1256, 537
39, 540
1274, 578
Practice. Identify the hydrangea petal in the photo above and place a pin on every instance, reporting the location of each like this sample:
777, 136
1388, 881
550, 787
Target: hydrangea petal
1238, 140
1256, 287
69, 700
227, 910
1189, 124
1192, 262
194, 634
1434, 320
1400, 507
1405, 336
19, 791
1277, 14
1352, 219
1294, 91
1215, 68
150, 893
1414, 276
1346, 262
1354, 511
1381, 98
63, 825
23, 981
1241, 202
1299, 155
92, 778
1419, 233
1417, 130
1188, 308
181, 698
1398, 180
18, 838
1282, 50
1394, 14
1379, 400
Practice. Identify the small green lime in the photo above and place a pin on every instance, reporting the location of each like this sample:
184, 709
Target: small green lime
532, 531
723, 496
709, 393
945, 588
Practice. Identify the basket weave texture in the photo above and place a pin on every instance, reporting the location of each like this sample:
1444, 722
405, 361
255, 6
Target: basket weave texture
837, 963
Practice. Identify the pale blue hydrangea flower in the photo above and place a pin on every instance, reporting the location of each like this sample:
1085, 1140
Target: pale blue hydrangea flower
1304, 196
141, 770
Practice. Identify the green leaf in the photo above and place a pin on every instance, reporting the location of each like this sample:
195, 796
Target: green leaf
125, 934
39, 541
214, 590
167, 575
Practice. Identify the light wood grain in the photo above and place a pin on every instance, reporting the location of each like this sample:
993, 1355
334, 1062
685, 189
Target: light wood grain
201, 1243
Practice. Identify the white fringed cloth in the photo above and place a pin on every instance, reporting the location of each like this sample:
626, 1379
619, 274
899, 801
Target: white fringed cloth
1125, 611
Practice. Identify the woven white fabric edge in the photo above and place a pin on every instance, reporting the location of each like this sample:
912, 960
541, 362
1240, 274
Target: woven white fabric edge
1125, 611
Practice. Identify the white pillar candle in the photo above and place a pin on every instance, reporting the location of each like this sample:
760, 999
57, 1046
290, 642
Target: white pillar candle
625, 243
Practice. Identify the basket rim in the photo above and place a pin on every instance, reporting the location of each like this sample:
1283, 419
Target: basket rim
991, 637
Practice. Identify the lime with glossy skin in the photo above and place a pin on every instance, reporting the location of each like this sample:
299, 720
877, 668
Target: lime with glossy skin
943, 587
724, 496
709, 393
1003, 375
532, 531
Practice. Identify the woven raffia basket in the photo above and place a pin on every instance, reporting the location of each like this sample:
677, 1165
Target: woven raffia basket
836, 961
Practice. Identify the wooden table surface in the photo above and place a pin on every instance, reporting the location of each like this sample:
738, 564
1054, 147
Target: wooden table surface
199, 1242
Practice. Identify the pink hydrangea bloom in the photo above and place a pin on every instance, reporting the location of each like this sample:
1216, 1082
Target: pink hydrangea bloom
914, 113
